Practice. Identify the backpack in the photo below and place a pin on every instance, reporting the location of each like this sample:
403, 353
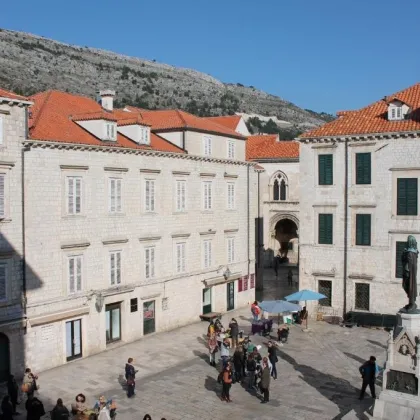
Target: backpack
220, 377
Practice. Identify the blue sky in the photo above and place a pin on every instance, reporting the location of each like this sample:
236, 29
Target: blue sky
324, 55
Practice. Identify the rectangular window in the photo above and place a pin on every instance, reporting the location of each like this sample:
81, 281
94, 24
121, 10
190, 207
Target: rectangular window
325, 287
363, 168
75, 273
325, 169
207, 257
363, 229
149, 201
74, 195
1, 130
399, 248
207, 146
145, 135
3, 281
407, 193
181, 195
325, 229
134, 307
231, 195
245, 283
115, 267
207, 195
231, 150
149, 262
113, 322
115, 187
230, 250
362, 297
252, 281
2, 195
110, 131
180, 257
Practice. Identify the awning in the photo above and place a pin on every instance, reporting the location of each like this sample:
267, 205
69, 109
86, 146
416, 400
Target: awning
58, 316
220, 280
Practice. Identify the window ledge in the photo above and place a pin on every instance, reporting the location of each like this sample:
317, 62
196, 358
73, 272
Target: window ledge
116, 214
180, 212
150, 213
231, 210
405, 217
74, 216
5, 220
207, 211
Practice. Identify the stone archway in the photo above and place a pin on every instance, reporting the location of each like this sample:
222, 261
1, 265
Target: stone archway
284, 229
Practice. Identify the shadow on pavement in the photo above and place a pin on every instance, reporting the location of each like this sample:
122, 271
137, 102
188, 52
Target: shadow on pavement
337, 390
354, 357
378, 344
211, 385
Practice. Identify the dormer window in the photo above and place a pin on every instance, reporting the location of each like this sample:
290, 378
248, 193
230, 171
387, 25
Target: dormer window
397, 110
110, 131
145, 135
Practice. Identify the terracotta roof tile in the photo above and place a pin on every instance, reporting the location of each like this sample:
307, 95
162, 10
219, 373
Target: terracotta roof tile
373, 118
173, 119
51, 120
269, 147
7, 94
229, 121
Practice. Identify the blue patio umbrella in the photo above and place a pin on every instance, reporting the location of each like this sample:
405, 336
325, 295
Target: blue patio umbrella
278, 307
304, 295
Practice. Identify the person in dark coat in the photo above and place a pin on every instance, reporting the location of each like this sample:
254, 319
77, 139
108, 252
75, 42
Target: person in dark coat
60, 412
34, 408
265, 383
234, 332
130, 376
251, 367
238, 362
368, 372
272, 356
7, 408
13, 391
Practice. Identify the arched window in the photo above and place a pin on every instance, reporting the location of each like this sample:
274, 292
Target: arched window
280, 186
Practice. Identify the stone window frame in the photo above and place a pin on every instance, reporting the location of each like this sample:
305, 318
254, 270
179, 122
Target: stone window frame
233, 207
370, 296
404, 173
73, 171
360, 147
362, 209
180, 241
7, 263
185, 181
278, 176
325, 209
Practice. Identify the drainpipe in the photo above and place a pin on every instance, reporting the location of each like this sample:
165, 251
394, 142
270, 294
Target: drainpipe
23, 150
346, 198
183, 140
247, 212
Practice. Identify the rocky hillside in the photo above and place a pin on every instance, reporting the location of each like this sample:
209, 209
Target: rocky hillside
29, 64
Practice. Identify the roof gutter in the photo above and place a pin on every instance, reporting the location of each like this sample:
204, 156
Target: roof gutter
196, 130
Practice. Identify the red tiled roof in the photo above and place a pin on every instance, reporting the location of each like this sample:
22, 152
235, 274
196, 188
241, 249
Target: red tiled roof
51, 119
268, 147
373, 118
229, 121
7, 94
98, 115
173, 119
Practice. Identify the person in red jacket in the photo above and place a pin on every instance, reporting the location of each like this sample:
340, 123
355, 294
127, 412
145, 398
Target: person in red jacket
255, 309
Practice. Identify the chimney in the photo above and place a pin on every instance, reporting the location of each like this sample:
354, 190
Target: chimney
107, 99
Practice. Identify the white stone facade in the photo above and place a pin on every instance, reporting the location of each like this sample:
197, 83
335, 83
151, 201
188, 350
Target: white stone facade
53, 236
392, 157
12, 302
273, 210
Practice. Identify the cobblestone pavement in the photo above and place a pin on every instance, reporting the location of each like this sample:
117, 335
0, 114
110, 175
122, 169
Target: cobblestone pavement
318, 376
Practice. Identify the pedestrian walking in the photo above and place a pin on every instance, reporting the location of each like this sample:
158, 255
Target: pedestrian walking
213, 348
224, 353
255, 310
34, 408
227, 383
265, 383
238, 361
7, 408
29, 385
368, 372
13, 391
272, 357
60, 412
130, 376
251, 367
290, 277
234, 332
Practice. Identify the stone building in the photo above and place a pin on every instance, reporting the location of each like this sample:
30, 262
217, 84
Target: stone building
135, 221
13, 109
358, 202
278, 195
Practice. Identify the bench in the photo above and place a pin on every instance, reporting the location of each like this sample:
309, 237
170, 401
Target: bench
211, 315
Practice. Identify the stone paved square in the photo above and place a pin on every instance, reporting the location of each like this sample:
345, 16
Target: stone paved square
318, 376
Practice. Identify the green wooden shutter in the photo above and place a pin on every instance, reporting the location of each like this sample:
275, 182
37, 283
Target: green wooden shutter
363, 229
407, 192
399, 248
363, 168
325, 229
325, 169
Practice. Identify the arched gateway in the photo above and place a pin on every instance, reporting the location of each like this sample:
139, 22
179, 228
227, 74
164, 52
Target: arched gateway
284, 228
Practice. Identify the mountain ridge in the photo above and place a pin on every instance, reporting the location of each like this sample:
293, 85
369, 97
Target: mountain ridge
31, 63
